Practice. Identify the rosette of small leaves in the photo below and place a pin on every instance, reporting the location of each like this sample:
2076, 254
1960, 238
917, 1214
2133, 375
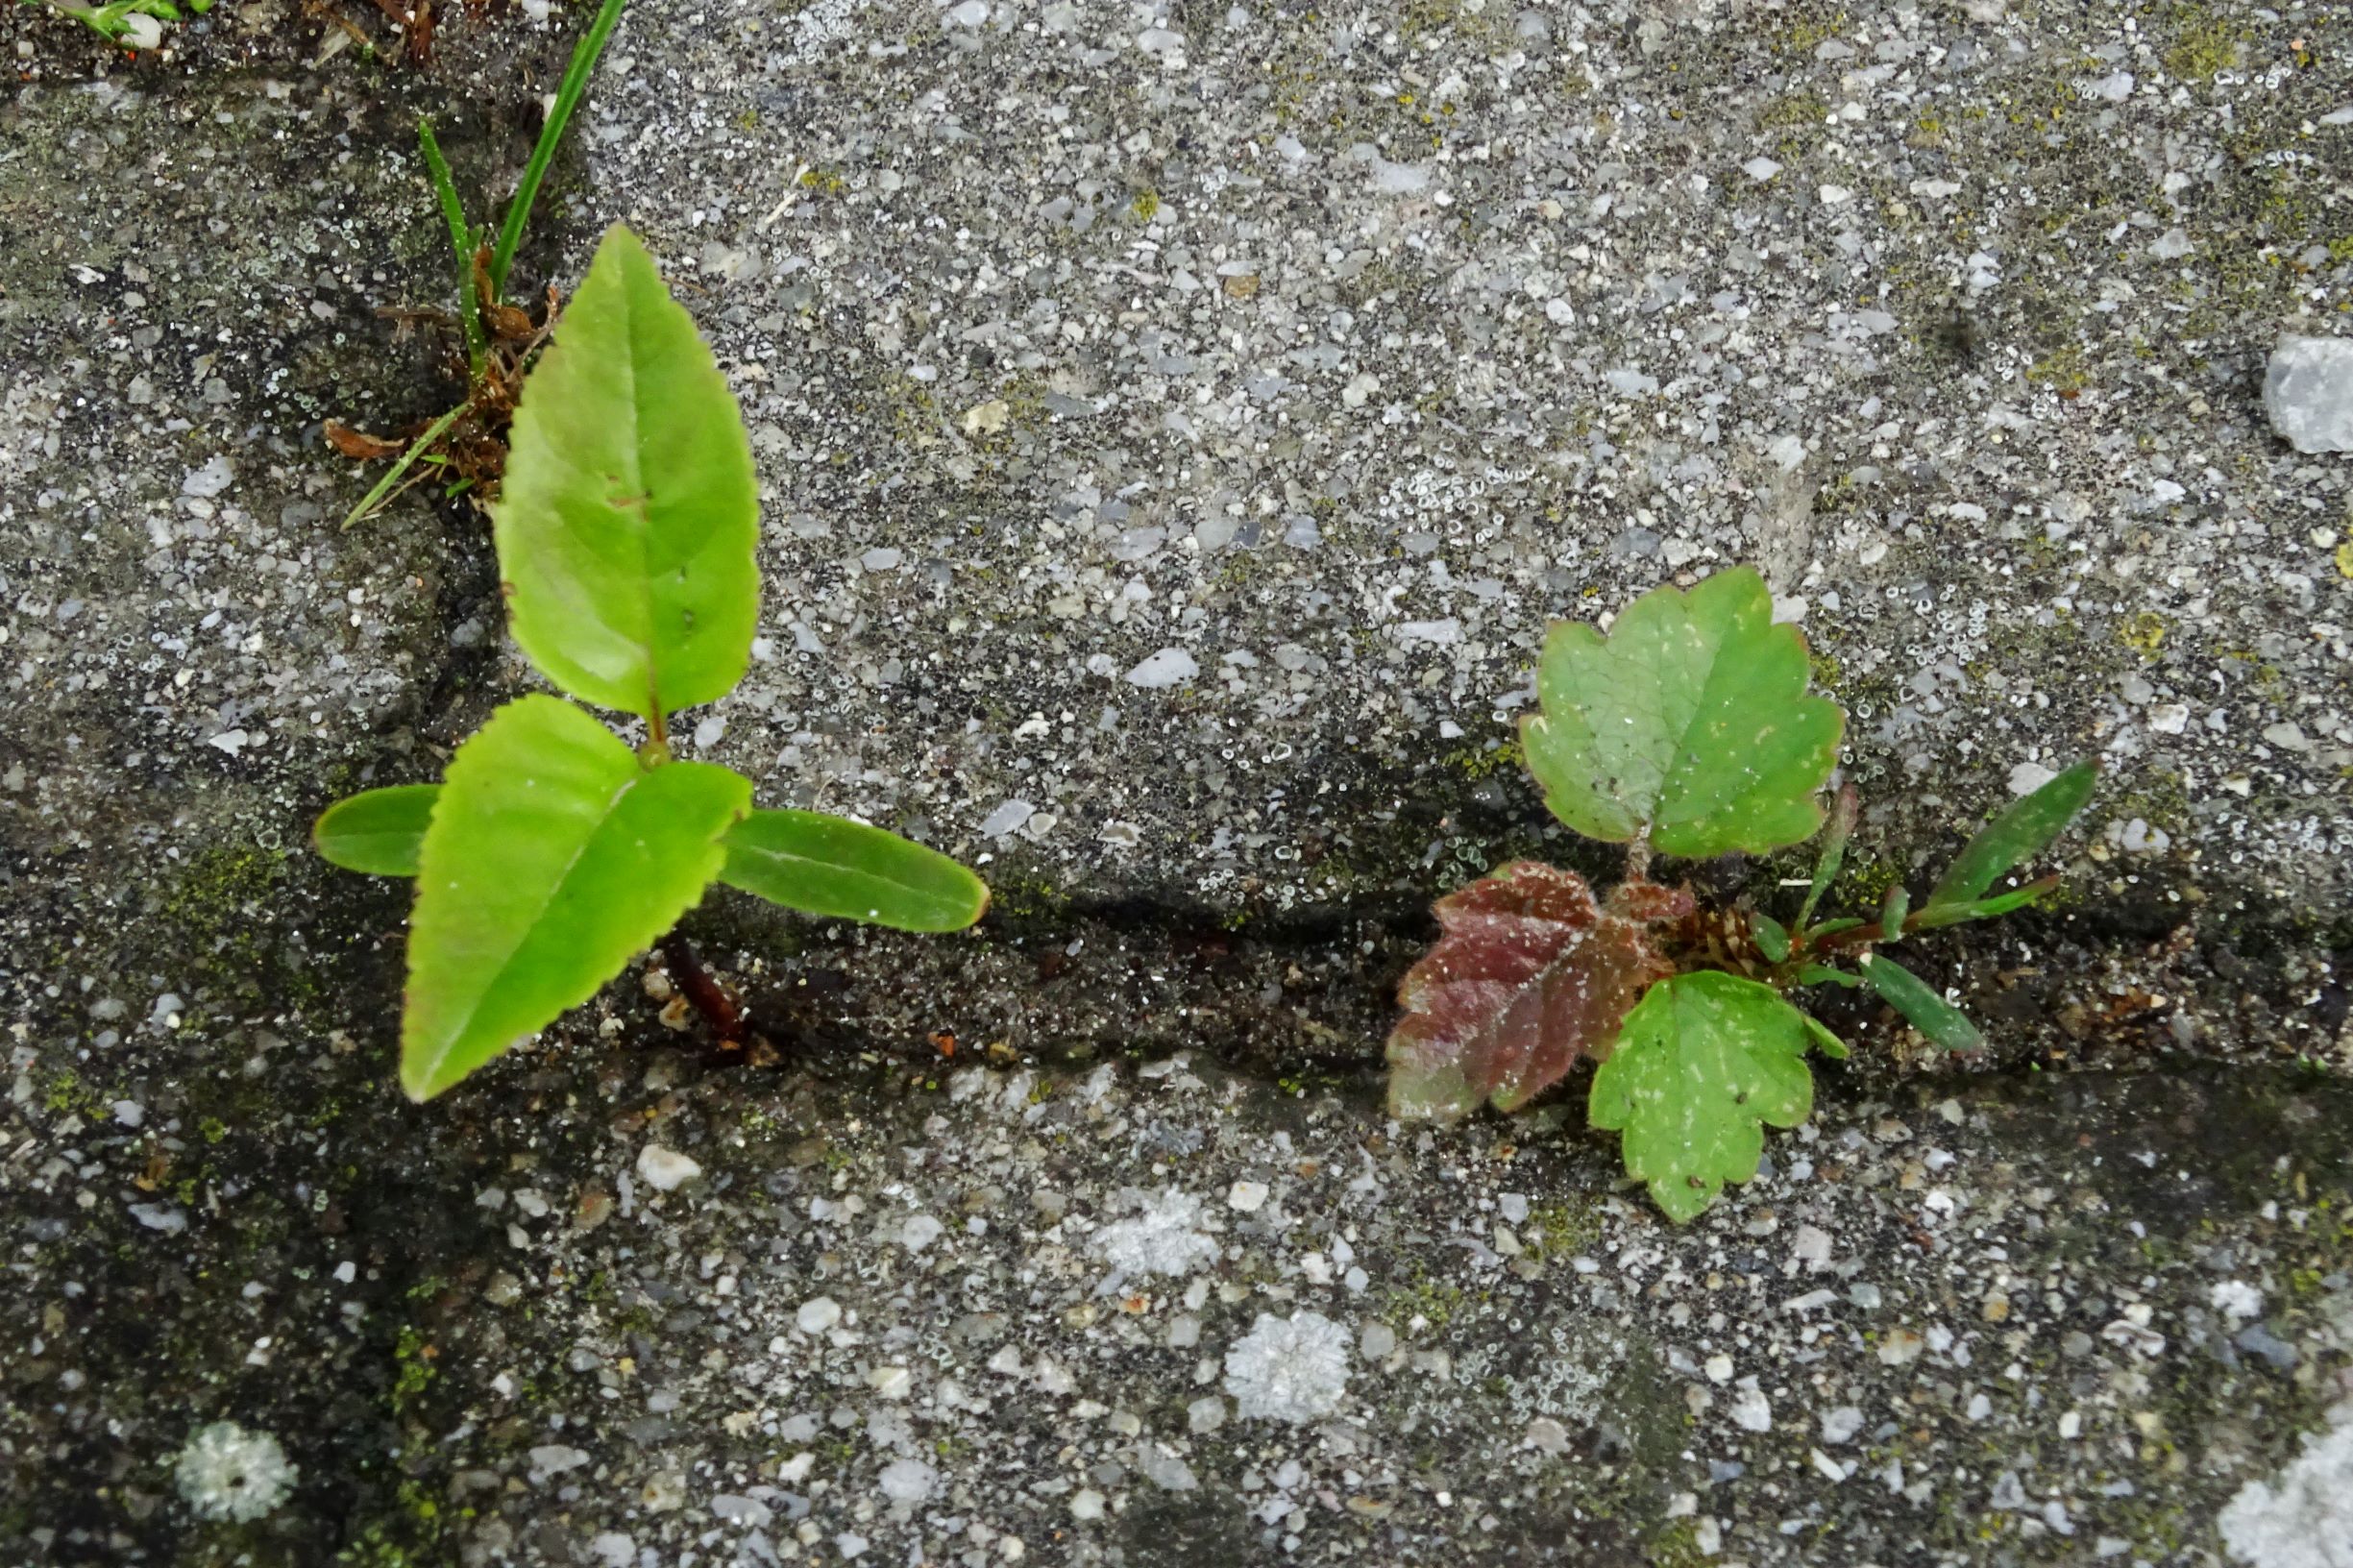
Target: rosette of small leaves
1687, 729
550, 853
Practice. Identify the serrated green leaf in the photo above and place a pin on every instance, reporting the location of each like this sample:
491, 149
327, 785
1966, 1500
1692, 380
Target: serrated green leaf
1930, 1012
1689, 722
378, 831
847, 870
1770, 935
2018, 833
627, 515
1704, 1063
553, 855
1846, 809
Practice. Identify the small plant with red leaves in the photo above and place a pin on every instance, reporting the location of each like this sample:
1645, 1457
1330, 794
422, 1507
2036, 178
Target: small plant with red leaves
1687, 731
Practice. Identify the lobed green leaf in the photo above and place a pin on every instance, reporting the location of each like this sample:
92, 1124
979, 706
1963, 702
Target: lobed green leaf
847, 870
553, 856
2018, 833
378, 831
1702, 1064
1689, 722
628, 512
1912, 997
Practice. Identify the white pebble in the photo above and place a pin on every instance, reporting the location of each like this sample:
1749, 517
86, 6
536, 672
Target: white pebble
665, 1170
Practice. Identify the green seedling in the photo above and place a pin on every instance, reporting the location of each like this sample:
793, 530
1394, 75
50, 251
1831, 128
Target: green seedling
135, 24
500, 340
550, 853
1687, 730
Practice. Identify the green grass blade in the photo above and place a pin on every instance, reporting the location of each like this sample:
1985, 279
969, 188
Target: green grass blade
462, 242
568, 95
378, 831
2019, 832
833, 867
406, 460
1930, 1014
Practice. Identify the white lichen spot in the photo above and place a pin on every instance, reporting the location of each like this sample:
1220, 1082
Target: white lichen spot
229, 1473
2304, 1517
1288, 1369
1166, 1237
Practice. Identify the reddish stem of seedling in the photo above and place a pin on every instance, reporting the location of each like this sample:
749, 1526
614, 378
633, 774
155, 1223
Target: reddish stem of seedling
711, 1001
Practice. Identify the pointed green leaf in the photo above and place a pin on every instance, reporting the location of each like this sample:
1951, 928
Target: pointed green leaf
1845, 809
1983, 909
1930, 1014
1892, 910
1771, 937
830, 866
2018, 834
378, 831
1822, 975
1829, 1044
1689, 722
553, 855
628, 512
1701, 1064
1831, 928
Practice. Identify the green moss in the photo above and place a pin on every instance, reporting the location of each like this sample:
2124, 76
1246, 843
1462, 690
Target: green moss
1561, 1229
2144, 633
2203, 44
2061, 371
1146, 205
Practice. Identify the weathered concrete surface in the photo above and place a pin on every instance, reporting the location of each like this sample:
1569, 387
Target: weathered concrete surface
1311, 363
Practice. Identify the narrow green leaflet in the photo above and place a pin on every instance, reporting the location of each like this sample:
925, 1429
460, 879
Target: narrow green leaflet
1912, 997
1892, 910
1689, 722
1704, 1062
627, 515
829, 865
1846, 809
378, 831
1983, 909
1770, 935
2018, 834
553, 855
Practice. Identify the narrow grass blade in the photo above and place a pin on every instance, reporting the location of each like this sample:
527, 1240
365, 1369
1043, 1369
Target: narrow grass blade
407, 460
462, 242
568, 94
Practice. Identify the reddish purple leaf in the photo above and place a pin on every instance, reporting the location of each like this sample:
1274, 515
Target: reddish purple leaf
1530, 978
